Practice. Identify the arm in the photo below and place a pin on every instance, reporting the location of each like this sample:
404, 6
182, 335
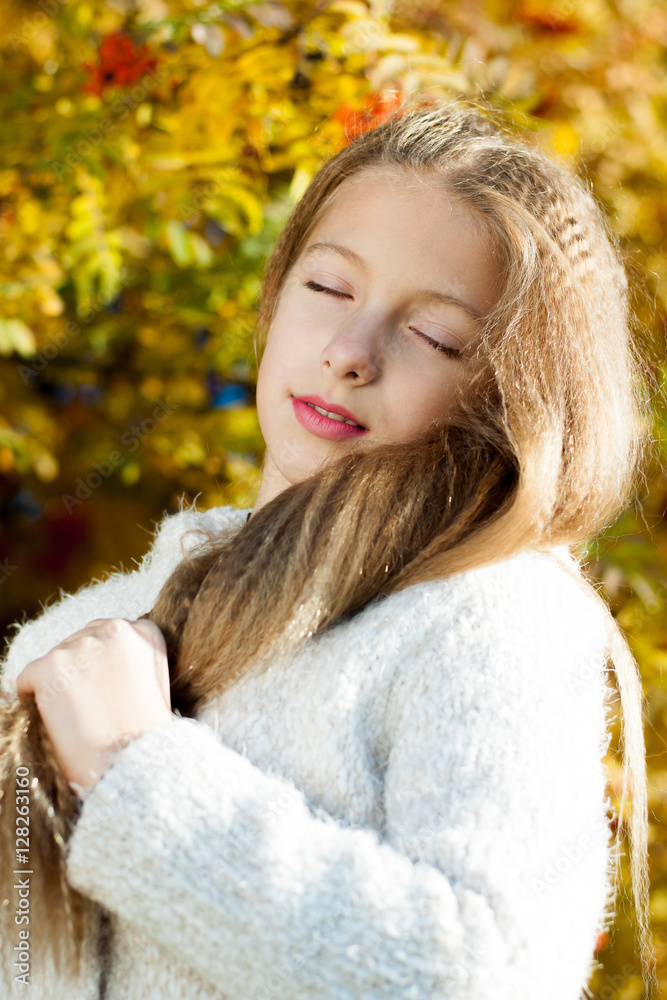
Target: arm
227, 867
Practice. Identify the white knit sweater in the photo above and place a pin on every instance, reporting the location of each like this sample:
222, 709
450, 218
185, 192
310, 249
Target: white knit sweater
414, 809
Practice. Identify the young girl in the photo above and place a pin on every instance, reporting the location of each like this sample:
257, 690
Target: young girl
350, 744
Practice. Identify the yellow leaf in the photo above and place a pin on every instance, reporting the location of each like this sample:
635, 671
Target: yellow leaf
565, 140
299, 183
49, 301
352, 7
29, 217
375, 41
130, 472
45, 465
143, 115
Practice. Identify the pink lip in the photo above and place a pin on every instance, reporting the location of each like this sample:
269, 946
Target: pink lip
324, 426
331, 407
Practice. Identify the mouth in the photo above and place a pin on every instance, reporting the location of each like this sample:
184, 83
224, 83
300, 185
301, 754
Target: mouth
325, 422
331, 410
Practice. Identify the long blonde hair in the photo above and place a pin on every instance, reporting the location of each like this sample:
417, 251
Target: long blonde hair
547, 449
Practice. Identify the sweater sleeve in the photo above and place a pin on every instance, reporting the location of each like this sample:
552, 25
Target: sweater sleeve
493, 780
122, 594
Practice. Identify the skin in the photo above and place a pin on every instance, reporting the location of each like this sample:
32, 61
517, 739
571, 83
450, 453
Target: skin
109, 682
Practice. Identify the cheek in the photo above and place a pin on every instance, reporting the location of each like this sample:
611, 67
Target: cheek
283, 330
290, 345
268, 380
278, 369
416, 403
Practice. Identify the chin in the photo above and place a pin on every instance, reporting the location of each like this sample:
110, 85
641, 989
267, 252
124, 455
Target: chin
301, 463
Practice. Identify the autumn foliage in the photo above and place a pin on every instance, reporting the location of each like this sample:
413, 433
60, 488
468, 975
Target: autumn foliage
149, 155
120, 64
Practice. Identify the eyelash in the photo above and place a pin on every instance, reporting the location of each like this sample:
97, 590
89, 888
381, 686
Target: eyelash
443, 348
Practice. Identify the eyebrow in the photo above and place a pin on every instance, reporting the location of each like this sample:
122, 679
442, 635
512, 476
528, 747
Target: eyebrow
425, 293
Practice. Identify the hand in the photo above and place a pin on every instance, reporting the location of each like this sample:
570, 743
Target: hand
98, 689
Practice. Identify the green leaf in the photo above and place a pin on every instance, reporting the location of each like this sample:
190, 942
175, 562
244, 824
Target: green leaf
15, 336
178, 243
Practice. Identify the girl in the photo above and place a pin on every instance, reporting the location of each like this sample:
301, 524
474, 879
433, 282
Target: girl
350, 744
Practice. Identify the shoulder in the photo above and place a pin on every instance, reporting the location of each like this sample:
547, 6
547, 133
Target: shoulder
525, 593
178, 533
499, 641
530, 620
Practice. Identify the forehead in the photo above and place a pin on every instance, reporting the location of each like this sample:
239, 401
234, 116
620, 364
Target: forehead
408, 227
401, 185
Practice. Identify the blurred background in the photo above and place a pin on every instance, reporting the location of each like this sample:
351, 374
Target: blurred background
150, 153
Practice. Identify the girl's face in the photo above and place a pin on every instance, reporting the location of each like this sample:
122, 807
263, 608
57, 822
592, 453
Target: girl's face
413, 273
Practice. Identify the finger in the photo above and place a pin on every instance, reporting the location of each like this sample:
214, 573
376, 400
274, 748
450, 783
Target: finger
146, 625
107, 628
94, 626
25, 681
164, 680
97, 624
154, 635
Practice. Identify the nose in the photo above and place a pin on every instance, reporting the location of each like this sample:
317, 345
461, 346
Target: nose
353, 354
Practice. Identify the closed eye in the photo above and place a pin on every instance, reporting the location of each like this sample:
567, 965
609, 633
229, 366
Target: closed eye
443, 348
321, 288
